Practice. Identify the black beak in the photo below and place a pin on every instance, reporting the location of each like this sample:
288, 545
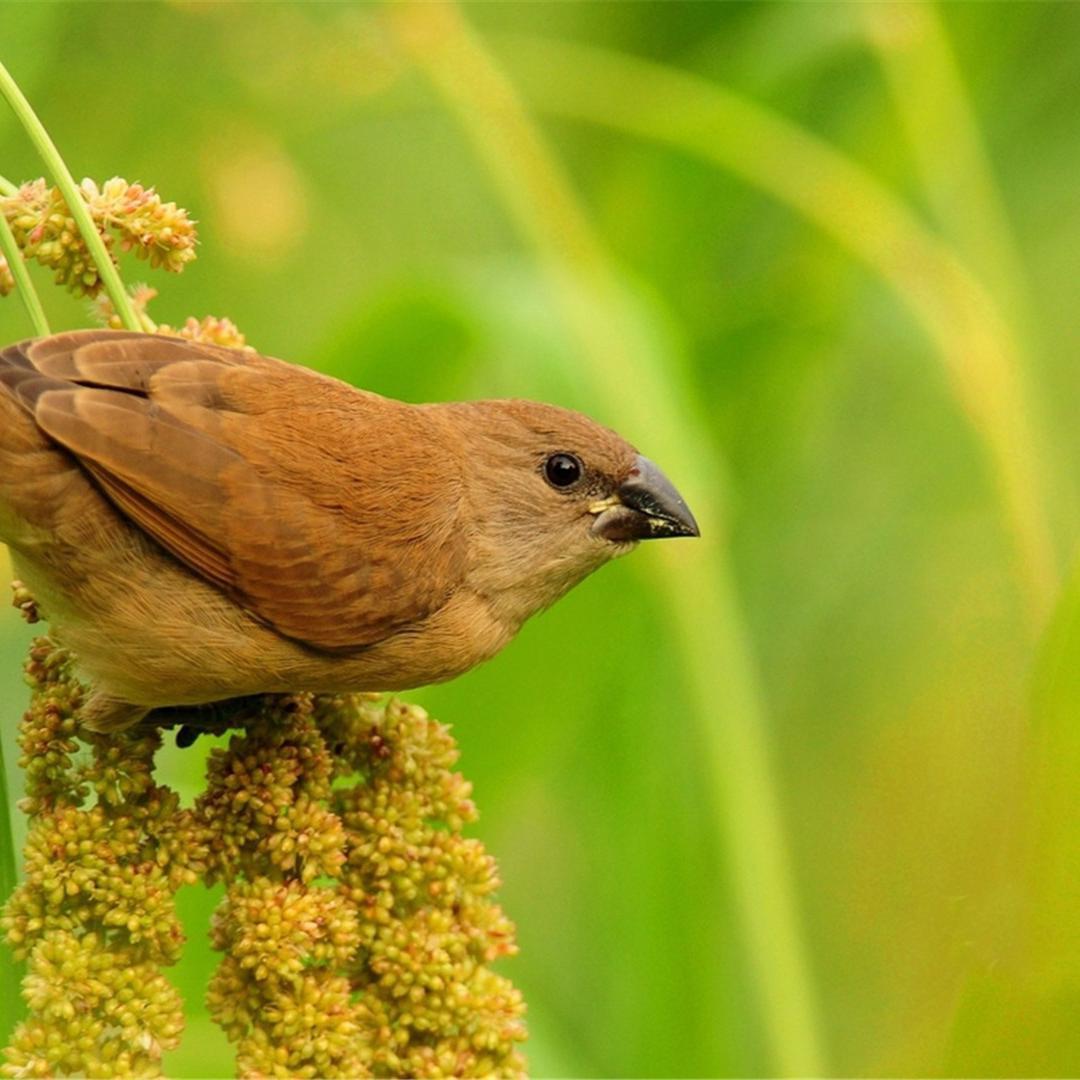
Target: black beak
649, 508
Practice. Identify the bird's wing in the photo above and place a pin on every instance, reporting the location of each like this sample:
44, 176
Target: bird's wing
327, 512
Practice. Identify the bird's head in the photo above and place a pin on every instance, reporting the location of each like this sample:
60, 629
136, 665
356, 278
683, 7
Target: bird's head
553, 495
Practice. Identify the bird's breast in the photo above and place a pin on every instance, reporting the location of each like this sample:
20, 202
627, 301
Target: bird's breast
464, 632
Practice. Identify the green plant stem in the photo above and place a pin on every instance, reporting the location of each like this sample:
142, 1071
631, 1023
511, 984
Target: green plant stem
23, 285
110, 276
7, 187
10, 972
697, 584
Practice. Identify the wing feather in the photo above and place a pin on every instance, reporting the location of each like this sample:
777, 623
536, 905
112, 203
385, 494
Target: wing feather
285, 489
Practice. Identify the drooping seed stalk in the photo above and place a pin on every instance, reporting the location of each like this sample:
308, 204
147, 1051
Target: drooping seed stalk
56, 165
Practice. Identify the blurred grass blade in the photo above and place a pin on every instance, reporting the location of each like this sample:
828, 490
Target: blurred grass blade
696, 578
974, 341
942, 130
932, 101
1055, 836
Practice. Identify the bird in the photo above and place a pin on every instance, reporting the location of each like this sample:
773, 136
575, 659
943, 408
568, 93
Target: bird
201, 523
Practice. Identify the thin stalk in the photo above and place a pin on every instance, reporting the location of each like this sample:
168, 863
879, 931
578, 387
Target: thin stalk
697, 583
10, 972
55, 164
23, 285
974, 340
7, 187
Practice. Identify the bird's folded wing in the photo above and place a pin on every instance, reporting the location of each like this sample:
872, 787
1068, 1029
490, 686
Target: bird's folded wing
281, 487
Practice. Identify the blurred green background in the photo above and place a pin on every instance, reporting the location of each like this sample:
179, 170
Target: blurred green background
797, 798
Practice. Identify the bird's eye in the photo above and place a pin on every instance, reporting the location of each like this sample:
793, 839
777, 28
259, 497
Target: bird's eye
562, 470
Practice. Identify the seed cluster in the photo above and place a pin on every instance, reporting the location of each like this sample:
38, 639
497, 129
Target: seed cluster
358, 924
428, 925
94, 916
130, 216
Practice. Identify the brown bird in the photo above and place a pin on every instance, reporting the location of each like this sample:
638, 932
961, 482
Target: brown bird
200, 523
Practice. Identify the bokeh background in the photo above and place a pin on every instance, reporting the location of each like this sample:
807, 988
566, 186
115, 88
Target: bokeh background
799, 798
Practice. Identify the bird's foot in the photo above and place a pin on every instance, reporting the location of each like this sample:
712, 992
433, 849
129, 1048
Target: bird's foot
213, 718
